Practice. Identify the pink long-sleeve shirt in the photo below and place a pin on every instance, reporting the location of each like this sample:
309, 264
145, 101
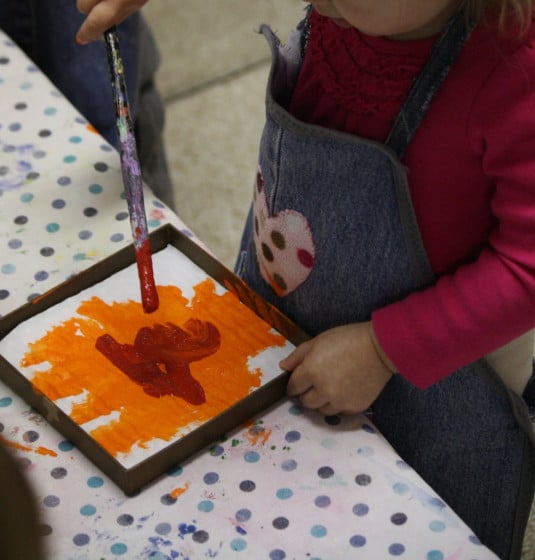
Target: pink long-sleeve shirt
471, 171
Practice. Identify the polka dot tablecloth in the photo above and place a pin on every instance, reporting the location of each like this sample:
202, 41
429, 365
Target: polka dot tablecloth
291, 484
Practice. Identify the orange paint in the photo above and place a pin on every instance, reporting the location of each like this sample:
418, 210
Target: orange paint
256, 438
74, 366
178, 491
40, 450
91, 128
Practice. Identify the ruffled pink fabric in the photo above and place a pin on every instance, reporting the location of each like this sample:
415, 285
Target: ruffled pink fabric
353, 82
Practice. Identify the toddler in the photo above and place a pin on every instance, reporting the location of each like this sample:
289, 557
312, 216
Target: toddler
394, 220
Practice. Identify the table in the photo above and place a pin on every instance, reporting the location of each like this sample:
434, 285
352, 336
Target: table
288, 484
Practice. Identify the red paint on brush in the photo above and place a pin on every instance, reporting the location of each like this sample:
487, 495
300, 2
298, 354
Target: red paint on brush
149, 294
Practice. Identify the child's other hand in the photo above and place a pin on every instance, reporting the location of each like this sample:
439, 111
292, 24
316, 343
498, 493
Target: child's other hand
103, 14
342, 370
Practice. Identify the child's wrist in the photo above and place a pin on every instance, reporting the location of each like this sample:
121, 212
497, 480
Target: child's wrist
380, 352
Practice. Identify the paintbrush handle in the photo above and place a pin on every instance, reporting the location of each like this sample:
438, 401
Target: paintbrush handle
131, 172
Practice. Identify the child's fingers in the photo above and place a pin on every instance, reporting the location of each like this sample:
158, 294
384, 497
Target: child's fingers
103, 14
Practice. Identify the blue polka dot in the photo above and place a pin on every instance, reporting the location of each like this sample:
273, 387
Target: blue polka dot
175, 471
14, 127
95, 482
153, 223
474, 540
437, 526
117, 237
292, 436
95, 188
49, 111
247, 486
280, 523
210, 478
163, 528
51, 501
217, 450
8, 268
4, 294
365, 451
65, 445
322, 501
118, 549
59, 203
75, 139
41, 275
168, 500
296, 410
437, 503
52, 227
39, 154
81, 539
238, 545
251, 457
58, 473
402, 465
88, 510
398, 518
357, 541
289, 465
5, 401
69, 159
363, 479
396, 549
125, 520
85, 234
30, 436
64, 181
328, 443
26, 197
277, 554
14, 243
284, 493
206, 506
325, 472
243, 515
361, 509
400, 488
434, 555
318, 531
368, 428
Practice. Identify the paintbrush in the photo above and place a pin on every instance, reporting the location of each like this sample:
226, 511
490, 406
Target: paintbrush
131, 171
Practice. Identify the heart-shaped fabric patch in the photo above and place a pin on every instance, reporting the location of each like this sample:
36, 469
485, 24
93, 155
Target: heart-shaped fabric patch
284, 244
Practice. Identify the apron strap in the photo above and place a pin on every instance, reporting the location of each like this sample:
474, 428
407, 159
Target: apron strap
443, 55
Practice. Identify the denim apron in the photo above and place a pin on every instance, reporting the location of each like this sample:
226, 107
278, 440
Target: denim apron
331, 236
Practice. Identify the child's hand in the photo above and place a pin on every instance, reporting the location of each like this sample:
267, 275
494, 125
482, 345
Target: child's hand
103, 14
342, 370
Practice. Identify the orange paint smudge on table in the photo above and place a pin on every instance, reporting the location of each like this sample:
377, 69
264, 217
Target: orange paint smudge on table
20, 447
75, 368
91, 128
260, 437
176, 492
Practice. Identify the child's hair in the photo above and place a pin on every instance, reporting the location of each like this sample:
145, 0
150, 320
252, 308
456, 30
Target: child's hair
520, 11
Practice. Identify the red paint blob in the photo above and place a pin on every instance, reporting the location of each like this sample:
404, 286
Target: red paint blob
169, 346
149, 294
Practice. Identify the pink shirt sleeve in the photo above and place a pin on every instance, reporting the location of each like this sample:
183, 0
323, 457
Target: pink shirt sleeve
488, 302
